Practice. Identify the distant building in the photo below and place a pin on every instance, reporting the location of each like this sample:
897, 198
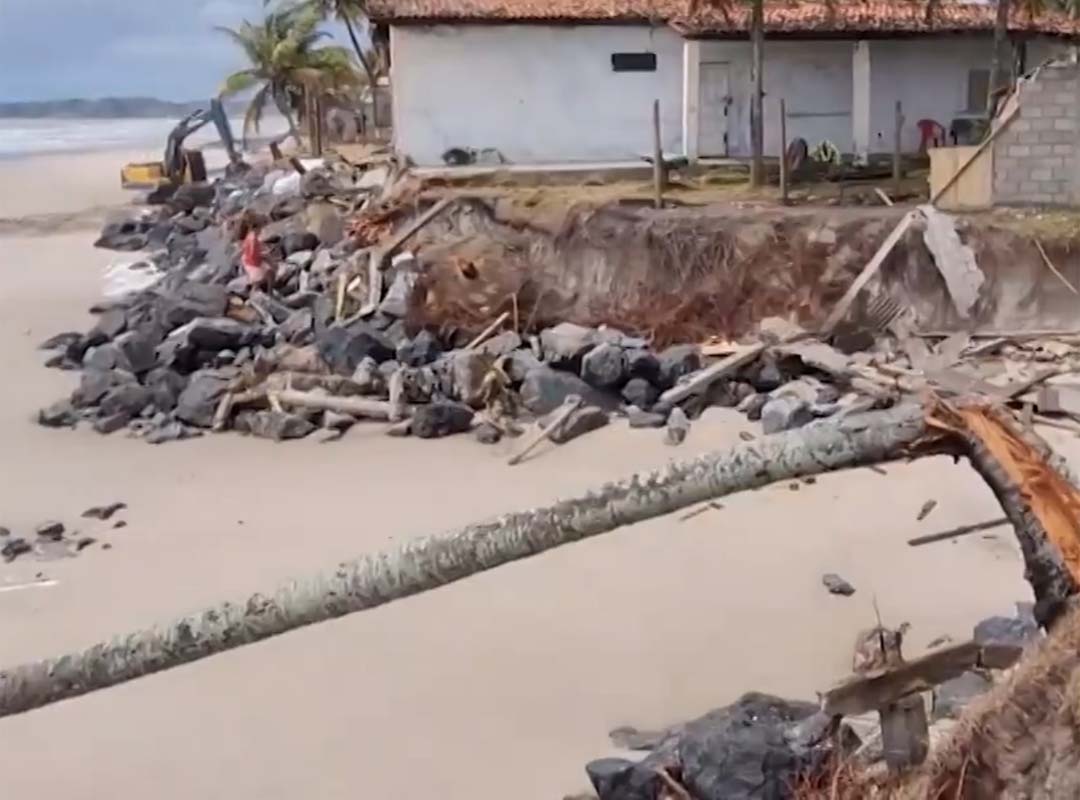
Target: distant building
544, 81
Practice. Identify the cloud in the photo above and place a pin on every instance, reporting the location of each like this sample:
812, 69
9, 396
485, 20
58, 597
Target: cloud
55, 49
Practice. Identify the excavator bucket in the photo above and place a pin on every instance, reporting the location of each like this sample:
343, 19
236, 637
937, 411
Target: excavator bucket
144, 175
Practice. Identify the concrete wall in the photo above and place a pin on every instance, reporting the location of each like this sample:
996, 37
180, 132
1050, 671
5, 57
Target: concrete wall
928, 76
536, 93
1037, 158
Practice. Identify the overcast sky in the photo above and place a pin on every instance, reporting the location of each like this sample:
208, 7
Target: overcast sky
56, 49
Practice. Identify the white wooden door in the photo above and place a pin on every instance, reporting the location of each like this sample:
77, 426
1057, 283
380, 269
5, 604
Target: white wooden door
714, 100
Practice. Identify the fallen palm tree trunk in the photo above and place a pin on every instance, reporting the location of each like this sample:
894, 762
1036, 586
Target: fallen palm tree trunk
427, 563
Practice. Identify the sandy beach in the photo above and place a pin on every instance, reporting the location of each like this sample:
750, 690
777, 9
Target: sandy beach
501, 686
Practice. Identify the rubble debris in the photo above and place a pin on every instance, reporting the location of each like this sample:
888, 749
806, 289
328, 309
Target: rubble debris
955, 260
837, 585
105, 512
570, 404
581, 420
784, 413
52, 530
677, 427
925, 510
13, 547
645, 419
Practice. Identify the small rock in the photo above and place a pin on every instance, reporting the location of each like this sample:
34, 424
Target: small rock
604, 366
835, 584
342, 348
441, 418
84, 542
645, 419
128, 398
925, 510
298, 328
291, 358
621, 779
519, 363
198, 402
108, 326
466, 369
952, 696
566, 343
581, 421
808, 389
336, 421
1015, 631
110, 423
500, 344
61, 341
13, 548
395, 302
139, 350
678, 361
488, 433
368, 378
678, 426
545, 389
165, 387
784, 413
169, 432
643, 364
298, 241
105, 357
60, 414
4, 531
400, 428
103, 512
52, 530
776, 330
639, 392
422, 349
279, 425
119, 524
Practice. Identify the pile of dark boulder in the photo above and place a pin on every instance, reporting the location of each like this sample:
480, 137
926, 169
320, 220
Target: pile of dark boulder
198, 348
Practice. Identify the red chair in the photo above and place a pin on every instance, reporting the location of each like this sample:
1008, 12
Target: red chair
931, 133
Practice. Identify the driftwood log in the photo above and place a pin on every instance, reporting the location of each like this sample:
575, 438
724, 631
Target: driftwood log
429, 562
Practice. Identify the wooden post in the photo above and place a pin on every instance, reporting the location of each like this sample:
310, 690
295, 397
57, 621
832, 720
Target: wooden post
905, 734
309, 111
317, 108
783, 153
897, 157
658, 158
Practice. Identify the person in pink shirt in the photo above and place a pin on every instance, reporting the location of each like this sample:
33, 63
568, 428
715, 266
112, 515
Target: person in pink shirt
253, 259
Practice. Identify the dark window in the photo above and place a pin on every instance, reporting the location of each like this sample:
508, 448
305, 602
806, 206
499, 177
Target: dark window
978, 89
633, 62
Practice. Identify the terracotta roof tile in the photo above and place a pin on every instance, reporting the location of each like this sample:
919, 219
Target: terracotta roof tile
701, 18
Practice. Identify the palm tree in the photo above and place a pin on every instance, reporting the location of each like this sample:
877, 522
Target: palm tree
427, 563
286, 64
347, 12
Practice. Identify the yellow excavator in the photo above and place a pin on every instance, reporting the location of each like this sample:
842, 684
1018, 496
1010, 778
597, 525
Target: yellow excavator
181, 166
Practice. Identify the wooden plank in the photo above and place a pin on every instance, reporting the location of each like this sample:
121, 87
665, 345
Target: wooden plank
658, 158
1006, 119
961, 530
708, 376
883, 687
388, 250
880, 688
841, 309
1053, 269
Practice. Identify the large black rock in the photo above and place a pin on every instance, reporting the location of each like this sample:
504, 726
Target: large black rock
544, 389
441, 418
198, 402
753, 749
190, 301
344, 347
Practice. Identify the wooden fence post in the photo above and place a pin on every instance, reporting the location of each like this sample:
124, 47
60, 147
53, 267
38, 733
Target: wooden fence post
897, 163
658, 158
784, 177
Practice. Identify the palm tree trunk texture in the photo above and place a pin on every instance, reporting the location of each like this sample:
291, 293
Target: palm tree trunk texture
360, 53
757, 104
1001, 35
430, 562
282, 104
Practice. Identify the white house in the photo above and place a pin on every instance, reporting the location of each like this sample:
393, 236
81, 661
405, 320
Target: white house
556, 81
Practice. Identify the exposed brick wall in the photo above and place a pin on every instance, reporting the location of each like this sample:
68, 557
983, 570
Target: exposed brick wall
1037, 159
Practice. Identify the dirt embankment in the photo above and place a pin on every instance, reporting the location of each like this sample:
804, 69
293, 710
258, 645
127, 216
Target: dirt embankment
686, 274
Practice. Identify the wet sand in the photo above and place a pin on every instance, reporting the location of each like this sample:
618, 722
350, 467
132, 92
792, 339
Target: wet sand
500, 686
